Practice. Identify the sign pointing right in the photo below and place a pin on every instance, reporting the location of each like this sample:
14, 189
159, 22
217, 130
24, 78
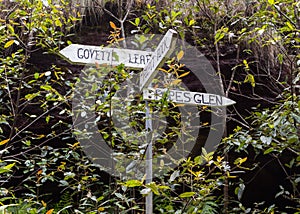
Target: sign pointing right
187, 97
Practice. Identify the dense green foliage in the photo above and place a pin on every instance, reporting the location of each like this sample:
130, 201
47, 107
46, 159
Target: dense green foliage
42, 166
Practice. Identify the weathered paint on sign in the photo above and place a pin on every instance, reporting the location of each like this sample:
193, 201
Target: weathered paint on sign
187, 97
161, 51
102, 55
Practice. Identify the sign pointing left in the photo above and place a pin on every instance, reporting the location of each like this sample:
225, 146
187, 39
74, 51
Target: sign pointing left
102, 55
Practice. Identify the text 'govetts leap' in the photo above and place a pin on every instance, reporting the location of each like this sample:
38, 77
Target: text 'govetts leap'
87, 54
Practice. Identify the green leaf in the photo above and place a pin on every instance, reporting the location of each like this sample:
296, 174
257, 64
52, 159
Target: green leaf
246, 65
186, 21
268, 150
46, 87
137, 21
48, 119
280, 58
6, 168
292, 139
192, 22
10, 28
187, 194
220, 34
271, 2
240, 160
100, 198
142, 39
290, 25
31, 96
207, 156
198, 160
58, 23
147, 30
9, 43
250, 79
153, 187
36, 75
133, 183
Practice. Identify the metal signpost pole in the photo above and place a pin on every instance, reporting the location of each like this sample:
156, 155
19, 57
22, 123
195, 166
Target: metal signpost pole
146, 76
149, 197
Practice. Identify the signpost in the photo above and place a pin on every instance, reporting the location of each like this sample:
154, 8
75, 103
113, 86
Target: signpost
156, 60
146, 76
102, 55
187, 97
149, 62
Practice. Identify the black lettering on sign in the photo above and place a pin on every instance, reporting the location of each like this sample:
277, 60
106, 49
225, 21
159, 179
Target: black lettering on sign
93, 54
147, 70
205, 101
158, 54
132, 59
171, 94
108, 55
148, 57
151, 65
162, 49
219, 100
138, 59
79, 53
158, 94
187, 97
97, 55
198, 98
178, 96
142, 59
86, 53
212, 99
159, 51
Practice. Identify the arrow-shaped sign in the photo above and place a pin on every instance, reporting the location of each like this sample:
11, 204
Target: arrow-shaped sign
187, 97
156, 60
102, 55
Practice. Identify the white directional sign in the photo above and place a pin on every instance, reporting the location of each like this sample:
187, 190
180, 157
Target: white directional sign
149, 62
161, 51
102, 55
187, 97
